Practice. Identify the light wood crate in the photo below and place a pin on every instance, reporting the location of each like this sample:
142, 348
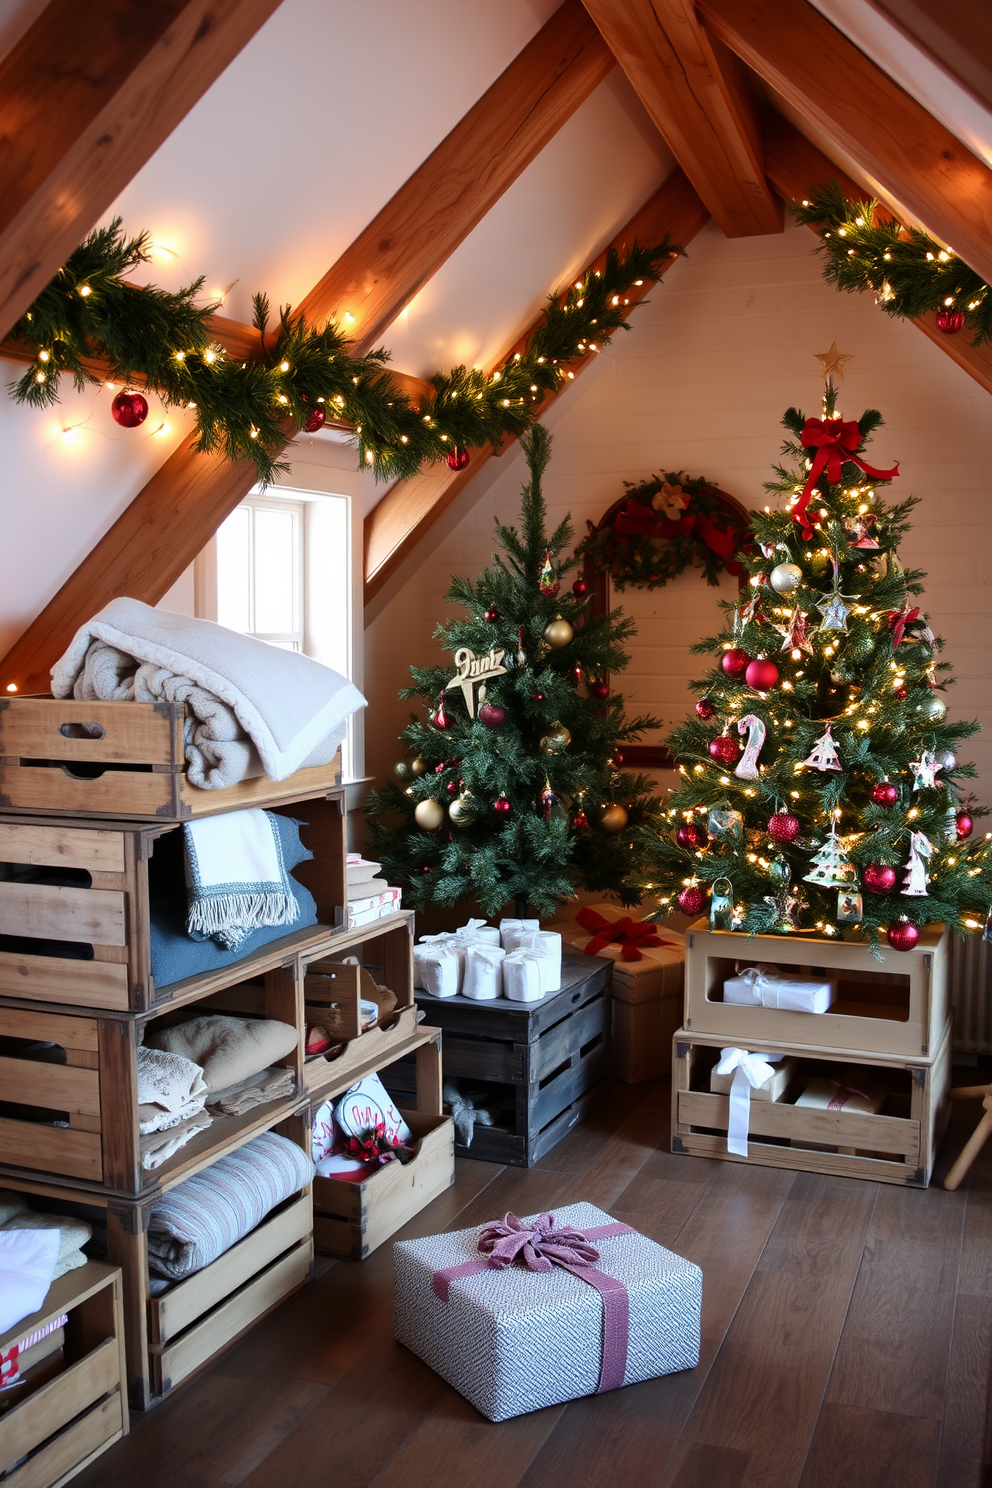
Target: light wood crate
64, 1425
896, 1006
898, 1145
353, 1219
76, 882
51, 763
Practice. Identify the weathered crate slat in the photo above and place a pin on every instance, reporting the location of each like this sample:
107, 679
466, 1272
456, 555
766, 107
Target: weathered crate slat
120, 760
898, 1006
896, 1145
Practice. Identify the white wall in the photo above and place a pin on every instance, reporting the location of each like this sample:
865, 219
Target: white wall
700, 383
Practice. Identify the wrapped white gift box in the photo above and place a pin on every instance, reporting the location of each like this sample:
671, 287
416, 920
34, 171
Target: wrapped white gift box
511, 930
863, 1099
546, 945
513, 1340
772, 1088
522, 976
426, 947
440, 971
483, 979
477, 931
765, 986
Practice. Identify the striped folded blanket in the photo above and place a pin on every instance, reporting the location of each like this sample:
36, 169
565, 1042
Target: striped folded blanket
198, 1220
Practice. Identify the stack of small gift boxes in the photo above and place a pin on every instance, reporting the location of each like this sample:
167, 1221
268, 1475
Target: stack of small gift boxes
801, 1052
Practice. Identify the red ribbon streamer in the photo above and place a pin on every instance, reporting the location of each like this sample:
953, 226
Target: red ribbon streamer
637, 520
629, 934
835, 443
898, 620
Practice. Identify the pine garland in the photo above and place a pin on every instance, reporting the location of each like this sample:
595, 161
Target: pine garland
910, 274
248, 410
650, 559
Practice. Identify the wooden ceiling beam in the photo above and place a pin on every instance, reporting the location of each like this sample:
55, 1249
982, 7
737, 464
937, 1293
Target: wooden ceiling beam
87, 95
702, 102
956, 34
794, 166
884, 131
410, 508
181, 507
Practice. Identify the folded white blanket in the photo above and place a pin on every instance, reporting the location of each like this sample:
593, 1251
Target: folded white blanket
72, 1234
236, 877
292, 709
27, 1265
168, 1080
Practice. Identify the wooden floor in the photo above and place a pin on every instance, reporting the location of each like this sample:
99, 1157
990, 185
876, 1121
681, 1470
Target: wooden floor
847, 1334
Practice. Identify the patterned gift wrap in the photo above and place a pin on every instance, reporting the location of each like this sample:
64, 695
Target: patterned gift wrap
515, 1340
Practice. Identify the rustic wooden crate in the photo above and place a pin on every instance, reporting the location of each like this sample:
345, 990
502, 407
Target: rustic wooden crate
91, 889
170, 1336
898, 1145
50, 764
65, 1424
898, 1006
550, 1057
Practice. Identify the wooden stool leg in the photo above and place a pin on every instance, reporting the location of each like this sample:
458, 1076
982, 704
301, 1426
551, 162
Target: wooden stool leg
972, 1148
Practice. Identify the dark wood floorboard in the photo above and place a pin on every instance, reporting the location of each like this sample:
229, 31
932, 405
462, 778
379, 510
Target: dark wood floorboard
846, 1343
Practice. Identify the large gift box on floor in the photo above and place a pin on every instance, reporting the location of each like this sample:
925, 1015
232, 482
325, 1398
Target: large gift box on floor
513, 1339
647, 987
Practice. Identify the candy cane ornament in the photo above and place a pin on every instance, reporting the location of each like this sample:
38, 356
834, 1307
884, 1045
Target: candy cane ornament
747, 767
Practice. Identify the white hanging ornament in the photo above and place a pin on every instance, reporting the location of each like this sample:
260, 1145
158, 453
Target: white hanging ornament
823, 755
747, 767
832, 868
833, 609
951, 822
785, 578
916, 882
924, 770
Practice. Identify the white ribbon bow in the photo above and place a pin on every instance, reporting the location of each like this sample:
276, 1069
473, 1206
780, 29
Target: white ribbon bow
749, 1071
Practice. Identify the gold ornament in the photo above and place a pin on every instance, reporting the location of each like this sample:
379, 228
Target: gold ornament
429, 815
613, 818
832, 361
462, 810
556, 739
417, 766
558, 632
473, 669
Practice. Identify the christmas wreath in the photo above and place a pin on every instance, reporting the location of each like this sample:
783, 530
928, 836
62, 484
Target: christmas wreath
661, 527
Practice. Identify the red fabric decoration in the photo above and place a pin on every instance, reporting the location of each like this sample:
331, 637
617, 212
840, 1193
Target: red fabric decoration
629, 934
898, 620
835, 442
637, 520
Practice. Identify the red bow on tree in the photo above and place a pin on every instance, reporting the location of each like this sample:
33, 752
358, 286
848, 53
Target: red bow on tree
629, 934
835, 443
898, 620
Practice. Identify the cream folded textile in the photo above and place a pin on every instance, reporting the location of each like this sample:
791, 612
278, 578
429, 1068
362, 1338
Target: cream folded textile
158, 1146
257, 1090
73, 1233
167, 1080
228, 1049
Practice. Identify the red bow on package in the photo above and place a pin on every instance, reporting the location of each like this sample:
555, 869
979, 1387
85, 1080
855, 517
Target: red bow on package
835, 443
629, 934
898, 620
637, 520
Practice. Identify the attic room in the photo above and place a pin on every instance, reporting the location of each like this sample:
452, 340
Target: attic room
495, 880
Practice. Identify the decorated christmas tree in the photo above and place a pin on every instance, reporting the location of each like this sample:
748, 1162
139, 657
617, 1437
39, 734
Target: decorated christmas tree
510, 795
820, 786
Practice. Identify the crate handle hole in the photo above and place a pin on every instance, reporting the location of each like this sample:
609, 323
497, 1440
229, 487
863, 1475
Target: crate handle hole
575, 997
83, 731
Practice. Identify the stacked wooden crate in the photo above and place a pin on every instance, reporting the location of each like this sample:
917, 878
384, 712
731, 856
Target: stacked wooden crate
74, 883
889, 1027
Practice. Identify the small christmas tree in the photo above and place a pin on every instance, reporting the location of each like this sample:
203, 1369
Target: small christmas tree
832, 670
510, 795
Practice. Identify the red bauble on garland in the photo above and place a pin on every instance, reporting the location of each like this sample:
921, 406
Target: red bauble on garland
129, 409
691, 836
600, 689
735, 661
885, 793
491, 714
950, 322
725, 749
902, 936
502, 806
457, 459
761, 675
964, 825
315, 420
783, 827
580, 587
705, 709
692, 901
492, 615
878, 878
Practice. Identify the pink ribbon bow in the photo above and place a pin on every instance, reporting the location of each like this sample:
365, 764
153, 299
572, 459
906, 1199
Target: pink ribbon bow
541, 1245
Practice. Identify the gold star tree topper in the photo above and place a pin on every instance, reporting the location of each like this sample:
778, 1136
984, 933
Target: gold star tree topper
832, 361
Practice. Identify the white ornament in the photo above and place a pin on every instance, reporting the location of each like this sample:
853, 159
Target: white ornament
823, 755
924, 770
785, 578
473, 669
832, 868
747, 767
916, 882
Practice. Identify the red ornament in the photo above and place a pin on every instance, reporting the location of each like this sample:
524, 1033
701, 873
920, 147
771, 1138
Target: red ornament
692, 901
580, 587
878, 879
492, 616
502, 805
691, 836
964, 825
129, 409
783, 827
440, 719
950, 322
902, 936
600, 689
761, 675
451, 788
426, 868
580, 821
457, 459
491, 714
735, 661
315, 421
725, 749
902, 692
885, 793
705, 709
537, 697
